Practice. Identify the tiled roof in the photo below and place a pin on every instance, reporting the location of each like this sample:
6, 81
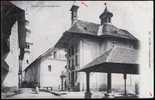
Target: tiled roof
116, 55
123, 55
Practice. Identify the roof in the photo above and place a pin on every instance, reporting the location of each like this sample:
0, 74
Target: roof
115, 60
93, 28
42, 55
111, 30
89, 29
123, 55
84, 27
106, 13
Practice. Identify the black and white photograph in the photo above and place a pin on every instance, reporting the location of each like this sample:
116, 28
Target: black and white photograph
77, 49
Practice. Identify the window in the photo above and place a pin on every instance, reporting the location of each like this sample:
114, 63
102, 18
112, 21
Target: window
114, 43
69, 52
73, 58
69, 63
76, 59
54, 54
85, 28
76, 49
27, 46
108, 20
75, 76
72, 62
72, 78
69, 76
72, 50
66, 66
27, 61
49, 68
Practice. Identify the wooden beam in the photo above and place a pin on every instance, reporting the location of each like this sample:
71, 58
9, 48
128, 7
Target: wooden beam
125, 77
109, 83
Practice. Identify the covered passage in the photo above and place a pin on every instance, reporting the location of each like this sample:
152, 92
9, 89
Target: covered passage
116, 60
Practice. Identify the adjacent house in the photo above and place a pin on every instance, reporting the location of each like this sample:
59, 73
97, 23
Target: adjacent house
86, 41
46, 70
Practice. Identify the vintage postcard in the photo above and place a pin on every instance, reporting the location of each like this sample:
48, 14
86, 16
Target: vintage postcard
77, 49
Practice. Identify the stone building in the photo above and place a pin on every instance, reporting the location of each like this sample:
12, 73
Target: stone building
13, 39
46, 70
85, 42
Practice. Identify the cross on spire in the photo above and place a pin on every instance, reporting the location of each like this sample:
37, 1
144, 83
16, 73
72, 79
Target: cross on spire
105, 7
105, 4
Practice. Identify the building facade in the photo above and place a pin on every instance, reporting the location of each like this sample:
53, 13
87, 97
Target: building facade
13, 36
46, 70
88, 41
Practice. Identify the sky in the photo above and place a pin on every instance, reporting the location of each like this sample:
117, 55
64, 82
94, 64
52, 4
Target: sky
49, 19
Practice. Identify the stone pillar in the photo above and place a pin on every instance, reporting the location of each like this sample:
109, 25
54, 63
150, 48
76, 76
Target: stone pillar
109, 83
61, 83
62, 76
87, 93
125, 76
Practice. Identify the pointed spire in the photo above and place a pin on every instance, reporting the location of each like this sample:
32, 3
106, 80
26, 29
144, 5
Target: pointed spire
106, 15
105, 10
105, 4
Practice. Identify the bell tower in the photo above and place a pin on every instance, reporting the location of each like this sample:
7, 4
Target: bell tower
105, 17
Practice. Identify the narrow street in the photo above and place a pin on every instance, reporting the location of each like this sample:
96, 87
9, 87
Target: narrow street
26, 93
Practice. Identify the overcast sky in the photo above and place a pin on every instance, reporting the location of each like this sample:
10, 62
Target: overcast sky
49, 19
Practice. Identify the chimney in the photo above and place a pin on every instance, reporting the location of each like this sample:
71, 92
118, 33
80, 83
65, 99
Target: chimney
74, 12
105, 17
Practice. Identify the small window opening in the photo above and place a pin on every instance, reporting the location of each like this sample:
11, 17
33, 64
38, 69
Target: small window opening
49, 68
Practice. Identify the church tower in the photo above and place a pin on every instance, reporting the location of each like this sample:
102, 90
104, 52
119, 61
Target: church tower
105, 17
